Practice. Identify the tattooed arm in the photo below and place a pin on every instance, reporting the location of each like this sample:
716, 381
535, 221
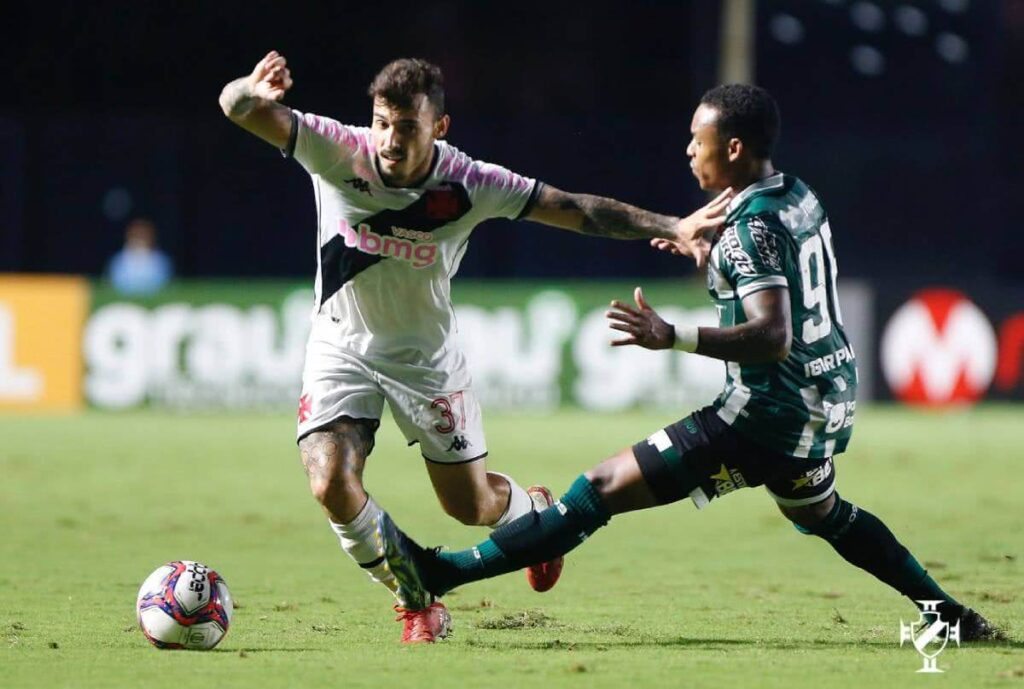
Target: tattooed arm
252, 102
599, 216
604, 217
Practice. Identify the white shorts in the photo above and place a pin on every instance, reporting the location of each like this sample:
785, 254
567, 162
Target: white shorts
436, 409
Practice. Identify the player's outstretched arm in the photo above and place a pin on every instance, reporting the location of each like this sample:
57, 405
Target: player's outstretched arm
604, 217
765, 337
253, 102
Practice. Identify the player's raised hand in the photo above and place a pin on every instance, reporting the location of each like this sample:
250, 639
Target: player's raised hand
693, 233
270, 79
642, 325
251, 101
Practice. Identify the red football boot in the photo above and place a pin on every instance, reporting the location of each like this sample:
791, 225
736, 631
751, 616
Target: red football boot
544, 576
425, 626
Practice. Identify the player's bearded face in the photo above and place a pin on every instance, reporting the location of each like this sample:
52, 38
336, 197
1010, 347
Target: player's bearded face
708, 154
404, 138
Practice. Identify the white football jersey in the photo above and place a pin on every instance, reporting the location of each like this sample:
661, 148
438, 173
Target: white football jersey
386, 255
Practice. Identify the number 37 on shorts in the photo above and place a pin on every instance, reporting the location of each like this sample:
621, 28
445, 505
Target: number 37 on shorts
452, 431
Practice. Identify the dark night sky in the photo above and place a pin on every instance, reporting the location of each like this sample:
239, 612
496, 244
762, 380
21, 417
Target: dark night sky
106, 103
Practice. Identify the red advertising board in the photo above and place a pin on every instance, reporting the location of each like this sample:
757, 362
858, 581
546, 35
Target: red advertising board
947, 345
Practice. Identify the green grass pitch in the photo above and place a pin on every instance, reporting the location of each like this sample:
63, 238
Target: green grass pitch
728, 597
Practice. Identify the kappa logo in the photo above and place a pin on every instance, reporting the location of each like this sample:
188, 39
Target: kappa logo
930, 634
727, 480
939, 348
459, 444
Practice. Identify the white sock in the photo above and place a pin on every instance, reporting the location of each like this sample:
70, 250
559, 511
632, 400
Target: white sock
519, 502
359, 539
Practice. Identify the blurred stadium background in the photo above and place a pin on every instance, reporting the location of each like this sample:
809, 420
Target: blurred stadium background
903, 115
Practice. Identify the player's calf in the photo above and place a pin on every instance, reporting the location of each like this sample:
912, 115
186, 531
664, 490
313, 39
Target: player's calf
333, 459
864, 541
477, 497
467, 511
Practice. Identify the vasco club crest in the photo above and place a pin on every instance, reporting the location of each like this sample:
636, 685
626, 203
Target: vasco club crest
930, 634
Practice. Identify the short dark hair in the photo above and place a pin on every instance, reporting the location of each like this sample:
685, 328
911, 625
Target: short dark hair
400, 81
748, 113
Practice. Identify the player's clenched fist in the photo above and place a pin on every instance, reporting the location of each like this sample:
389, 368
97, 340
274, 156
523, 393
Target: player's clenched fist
270, 79
253, 101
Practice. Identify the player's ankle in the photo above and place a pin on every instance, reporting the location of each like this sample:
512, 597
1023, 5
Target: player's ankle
950, 610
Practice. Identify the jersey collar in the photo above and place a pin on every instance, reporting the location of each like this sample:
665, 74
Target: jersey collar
774, 181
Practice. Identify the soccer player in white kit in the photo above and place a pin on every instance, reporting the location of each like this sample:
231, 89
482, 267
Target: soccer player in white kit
396, 205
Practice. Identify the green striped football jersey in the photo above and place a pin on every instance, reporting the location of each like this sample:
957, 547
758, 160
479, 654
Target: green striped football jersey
777, 235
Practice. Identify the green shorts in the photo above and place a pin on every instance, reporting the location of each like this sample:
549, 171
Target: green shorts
702, 457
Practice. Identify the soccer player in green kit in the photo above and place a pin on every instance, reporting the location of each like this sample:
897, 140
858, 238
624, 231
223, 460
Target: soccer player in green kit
789, 401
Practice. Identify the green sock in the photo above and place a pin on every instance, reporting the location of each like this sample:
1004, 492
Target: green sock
863, 540
926, 588
530, 539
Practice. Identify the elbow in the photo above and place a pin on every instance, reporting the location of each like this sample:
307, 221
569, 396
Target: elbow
225, 104
229, 105
225, 107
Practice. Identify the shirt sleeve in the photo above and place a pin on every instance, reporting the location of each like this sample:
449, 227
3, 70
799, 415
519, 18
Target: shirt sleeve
319, 143
500, 192
753, 256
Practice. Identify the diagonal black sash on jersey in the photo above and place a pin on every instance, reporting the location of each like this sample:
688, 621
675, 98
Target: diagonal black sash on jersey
433, 209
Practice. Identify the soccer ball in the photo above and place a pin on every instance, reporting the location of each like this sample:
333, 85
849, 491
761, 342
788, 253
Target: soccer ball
184, 604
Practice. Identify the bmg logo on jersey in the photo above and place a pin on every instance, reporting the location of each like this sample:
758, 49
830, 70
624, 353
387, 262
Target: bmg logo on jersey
930, 634
420, 255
